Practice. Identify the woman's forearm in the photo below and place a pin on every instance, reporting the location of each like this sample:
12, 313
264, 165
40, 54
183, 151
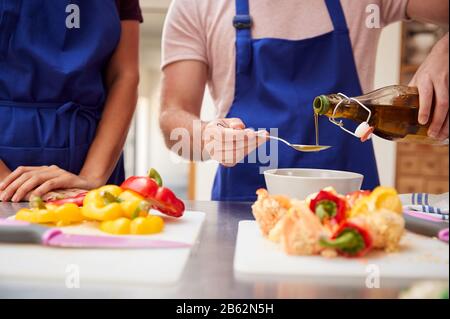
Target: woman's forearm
122, 79
4, 171
112, 130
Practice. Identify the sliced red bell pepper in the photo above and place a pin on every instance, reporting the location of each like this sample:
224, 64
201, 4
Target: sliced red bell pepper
77, 200
166, 202
349, 240
161, 198
326, 205
143, 185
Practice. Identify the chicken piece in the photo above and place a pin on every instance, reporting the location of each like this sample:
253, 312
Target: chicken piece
276, 231
386, 228
268, 210
301, 231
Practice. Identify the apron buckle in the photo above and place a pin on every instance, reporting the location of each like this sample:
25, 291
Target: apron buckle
242, 21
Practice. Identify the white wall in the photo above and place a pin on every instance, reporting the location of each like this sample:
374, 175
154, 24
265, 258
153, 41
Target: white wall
388, 73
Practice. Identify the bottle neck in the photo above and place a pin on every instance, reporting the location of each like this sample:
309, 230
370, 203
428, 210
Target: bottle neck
322, 105
326, 105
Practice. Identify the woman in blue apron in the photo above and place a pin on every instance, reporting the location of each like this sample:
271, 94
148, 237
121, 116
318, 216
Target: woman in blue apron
299, 71
68, 82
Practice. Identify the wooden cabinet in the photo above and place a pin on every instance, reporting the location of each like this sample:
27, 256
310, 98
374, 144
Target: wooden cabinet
420, 168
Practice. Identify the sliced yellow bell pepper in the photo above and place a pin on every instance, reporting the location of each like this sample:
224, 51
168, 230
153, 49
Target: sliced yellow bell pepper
119, 226
101, 204
36, 216
380, 198
133, 204
147, 225
39, 213
138, 226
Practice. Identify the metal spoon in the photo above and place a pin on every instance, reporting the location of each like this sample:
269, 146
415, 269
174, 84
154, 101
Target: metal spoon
297, 147
302, 148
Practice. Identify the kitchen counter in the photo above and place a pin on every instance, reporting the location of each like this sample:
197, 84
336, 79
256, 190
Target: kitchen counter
208, 273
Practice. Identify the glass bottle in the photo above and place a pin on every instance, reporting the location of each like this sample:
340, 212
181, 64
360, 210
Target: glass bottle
394, 112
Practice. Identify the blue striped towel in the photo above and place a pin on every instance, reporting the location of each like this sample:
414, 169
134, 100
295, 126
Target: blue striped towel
434, 205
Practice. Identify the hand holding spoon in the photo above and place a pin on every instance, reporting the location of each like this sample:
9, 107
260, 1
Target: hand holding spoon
297, 147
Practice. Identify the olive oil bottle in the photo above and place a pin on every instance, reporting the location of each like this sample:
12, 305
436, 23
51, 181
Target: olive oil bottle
394, 112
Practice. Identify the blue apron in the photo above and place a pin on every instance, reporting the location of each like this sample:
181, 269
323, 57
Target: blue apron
52, 90
277, 81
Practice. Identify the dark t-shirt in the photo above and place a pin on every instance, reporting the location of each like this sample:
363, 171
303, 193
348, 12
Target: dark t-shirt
129, 10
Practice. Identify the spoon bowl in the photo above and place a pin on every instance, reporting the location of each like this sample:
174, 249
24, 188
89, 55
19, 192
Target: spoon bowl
309, 148
302, 148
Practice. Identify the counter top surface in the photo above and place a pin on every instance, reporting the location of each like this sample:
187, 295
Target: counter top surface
208, 273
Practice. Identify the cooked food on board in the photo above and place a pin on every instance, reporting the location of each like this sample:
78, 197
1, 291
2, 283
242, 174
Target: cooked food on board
331, 224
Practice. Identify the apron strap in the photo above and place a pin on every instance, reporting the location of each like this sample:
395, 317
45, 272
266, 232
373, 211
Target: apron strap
337, 15
243, 24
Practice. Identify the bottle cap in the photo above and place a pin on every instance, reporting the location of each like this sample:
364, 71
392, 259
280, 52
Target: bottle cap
364, 131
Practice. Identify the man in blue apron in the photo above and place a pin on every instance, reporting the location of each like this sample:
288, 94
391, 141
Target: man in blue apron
275, 80
57, 59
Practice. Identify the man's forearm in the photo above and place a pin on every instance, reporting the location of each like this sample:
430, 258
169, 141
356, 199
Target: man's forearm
112, 130
180, 126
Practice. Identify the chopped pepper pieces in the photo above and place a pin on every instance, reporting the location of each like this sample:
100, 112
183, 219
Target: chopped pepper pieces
349, 240
40, 213
167, 203
101, 204
143, 185
120, 226
151, 189
328, 206
146, 226
138, 226
354, 197
133, 204
77, 200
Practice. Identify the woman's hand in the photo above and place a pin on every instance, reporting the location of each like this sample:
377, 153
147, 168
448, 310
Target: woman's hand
228, 141
432, 82
39, 181
4, 171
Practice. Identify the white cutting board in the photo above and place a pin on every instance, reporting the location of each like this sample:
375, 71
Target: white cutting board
128, 266
419, 258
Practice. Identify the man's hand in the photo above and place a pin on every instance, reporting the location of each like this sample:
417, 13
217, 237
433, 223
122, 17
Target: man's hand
432, 76
228, 141
26, 181
432, 81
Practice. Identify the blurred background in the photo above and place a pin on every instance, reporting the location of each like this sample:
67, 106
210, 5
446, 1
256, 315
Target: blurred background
410, 168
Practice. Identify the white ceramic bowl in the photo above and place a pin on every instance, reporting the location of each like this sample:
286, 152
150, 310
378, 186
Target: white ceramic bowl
299, 183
